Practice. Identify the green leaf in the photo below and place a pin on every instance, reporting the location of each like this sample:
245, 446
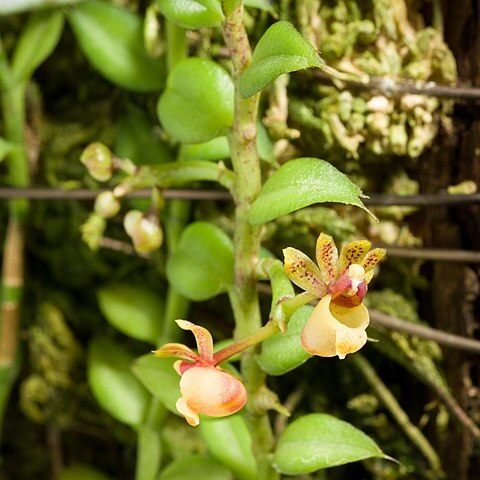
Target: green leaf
299, 183
283, 351
195, 467
317, 441
265, 5
192, 14
134, 139
215, 149
197, 104
112, 40
39, 38
160, 379
201, 266
113, 385
281, 49
82, 472
5, 148
134, 311
149, 453
264, 144
229, 441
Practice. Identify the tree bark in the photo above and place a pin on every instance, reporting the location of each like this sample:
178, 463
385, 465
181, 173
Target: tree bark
454, 288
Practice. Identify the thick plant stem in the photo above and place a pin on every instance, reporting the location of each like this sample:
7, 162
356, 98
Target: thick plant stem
13, 113
247, 184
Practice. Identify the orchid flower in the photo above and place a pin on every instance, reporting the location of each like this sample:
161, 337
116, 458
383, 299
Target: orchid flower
206, 389
338, 322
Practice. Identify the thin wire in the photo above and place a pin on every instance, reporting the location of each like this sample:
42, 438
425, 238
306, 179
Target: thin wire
421, 200
433, 254
86, 194
374, 199
439, 336
389, 86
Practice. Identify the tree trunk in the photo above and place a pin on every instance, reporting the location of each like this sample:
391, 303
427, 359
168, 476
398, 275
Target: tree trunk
454, 288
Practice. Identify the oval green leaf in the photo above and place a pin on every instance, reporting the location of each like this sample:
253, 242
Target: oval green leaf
149, 453
318, 441
39, 38
159, 378
197, 104
82, 472
283, 351
113, 384
201, 266
6, 148
229, 441
299, 183
111, 38
132, 310
192, 14
215, 149
265, 5
195, 467
281, 49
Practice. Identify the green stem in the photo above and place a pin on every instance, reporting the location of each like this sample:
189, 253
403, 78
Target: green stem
247, 184
241, 345
291, 304
397, 412
174, 174
13, 113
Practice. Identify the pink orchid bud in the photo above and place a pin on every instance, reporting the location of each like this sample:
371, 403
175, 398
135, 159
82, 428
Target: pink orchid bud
209, 391
99, 161
206, 389
334, 329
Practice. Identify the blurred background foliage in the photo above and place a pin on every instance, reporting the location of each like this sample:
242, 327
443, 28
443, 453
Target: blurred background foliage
385, 144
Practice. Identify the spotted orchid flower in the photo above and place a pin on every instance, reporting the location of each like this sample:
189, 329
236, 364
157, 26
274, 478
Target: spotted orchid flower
205, 388
338, 322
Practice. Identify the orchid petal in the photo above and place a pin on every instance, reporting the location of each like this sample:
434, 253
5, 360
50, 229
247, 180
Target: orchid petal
176, 350
372, 258
190, 416
303, 272
327, 257
335, 330
353, 252
203, 338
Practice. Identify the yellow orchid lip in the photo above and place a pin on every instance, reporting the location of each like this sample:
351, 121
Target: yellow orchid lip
335, 330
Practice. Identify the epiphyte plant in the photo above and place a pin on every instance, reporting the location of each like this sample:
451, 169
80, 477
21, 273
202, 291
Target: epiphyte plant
202, 101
